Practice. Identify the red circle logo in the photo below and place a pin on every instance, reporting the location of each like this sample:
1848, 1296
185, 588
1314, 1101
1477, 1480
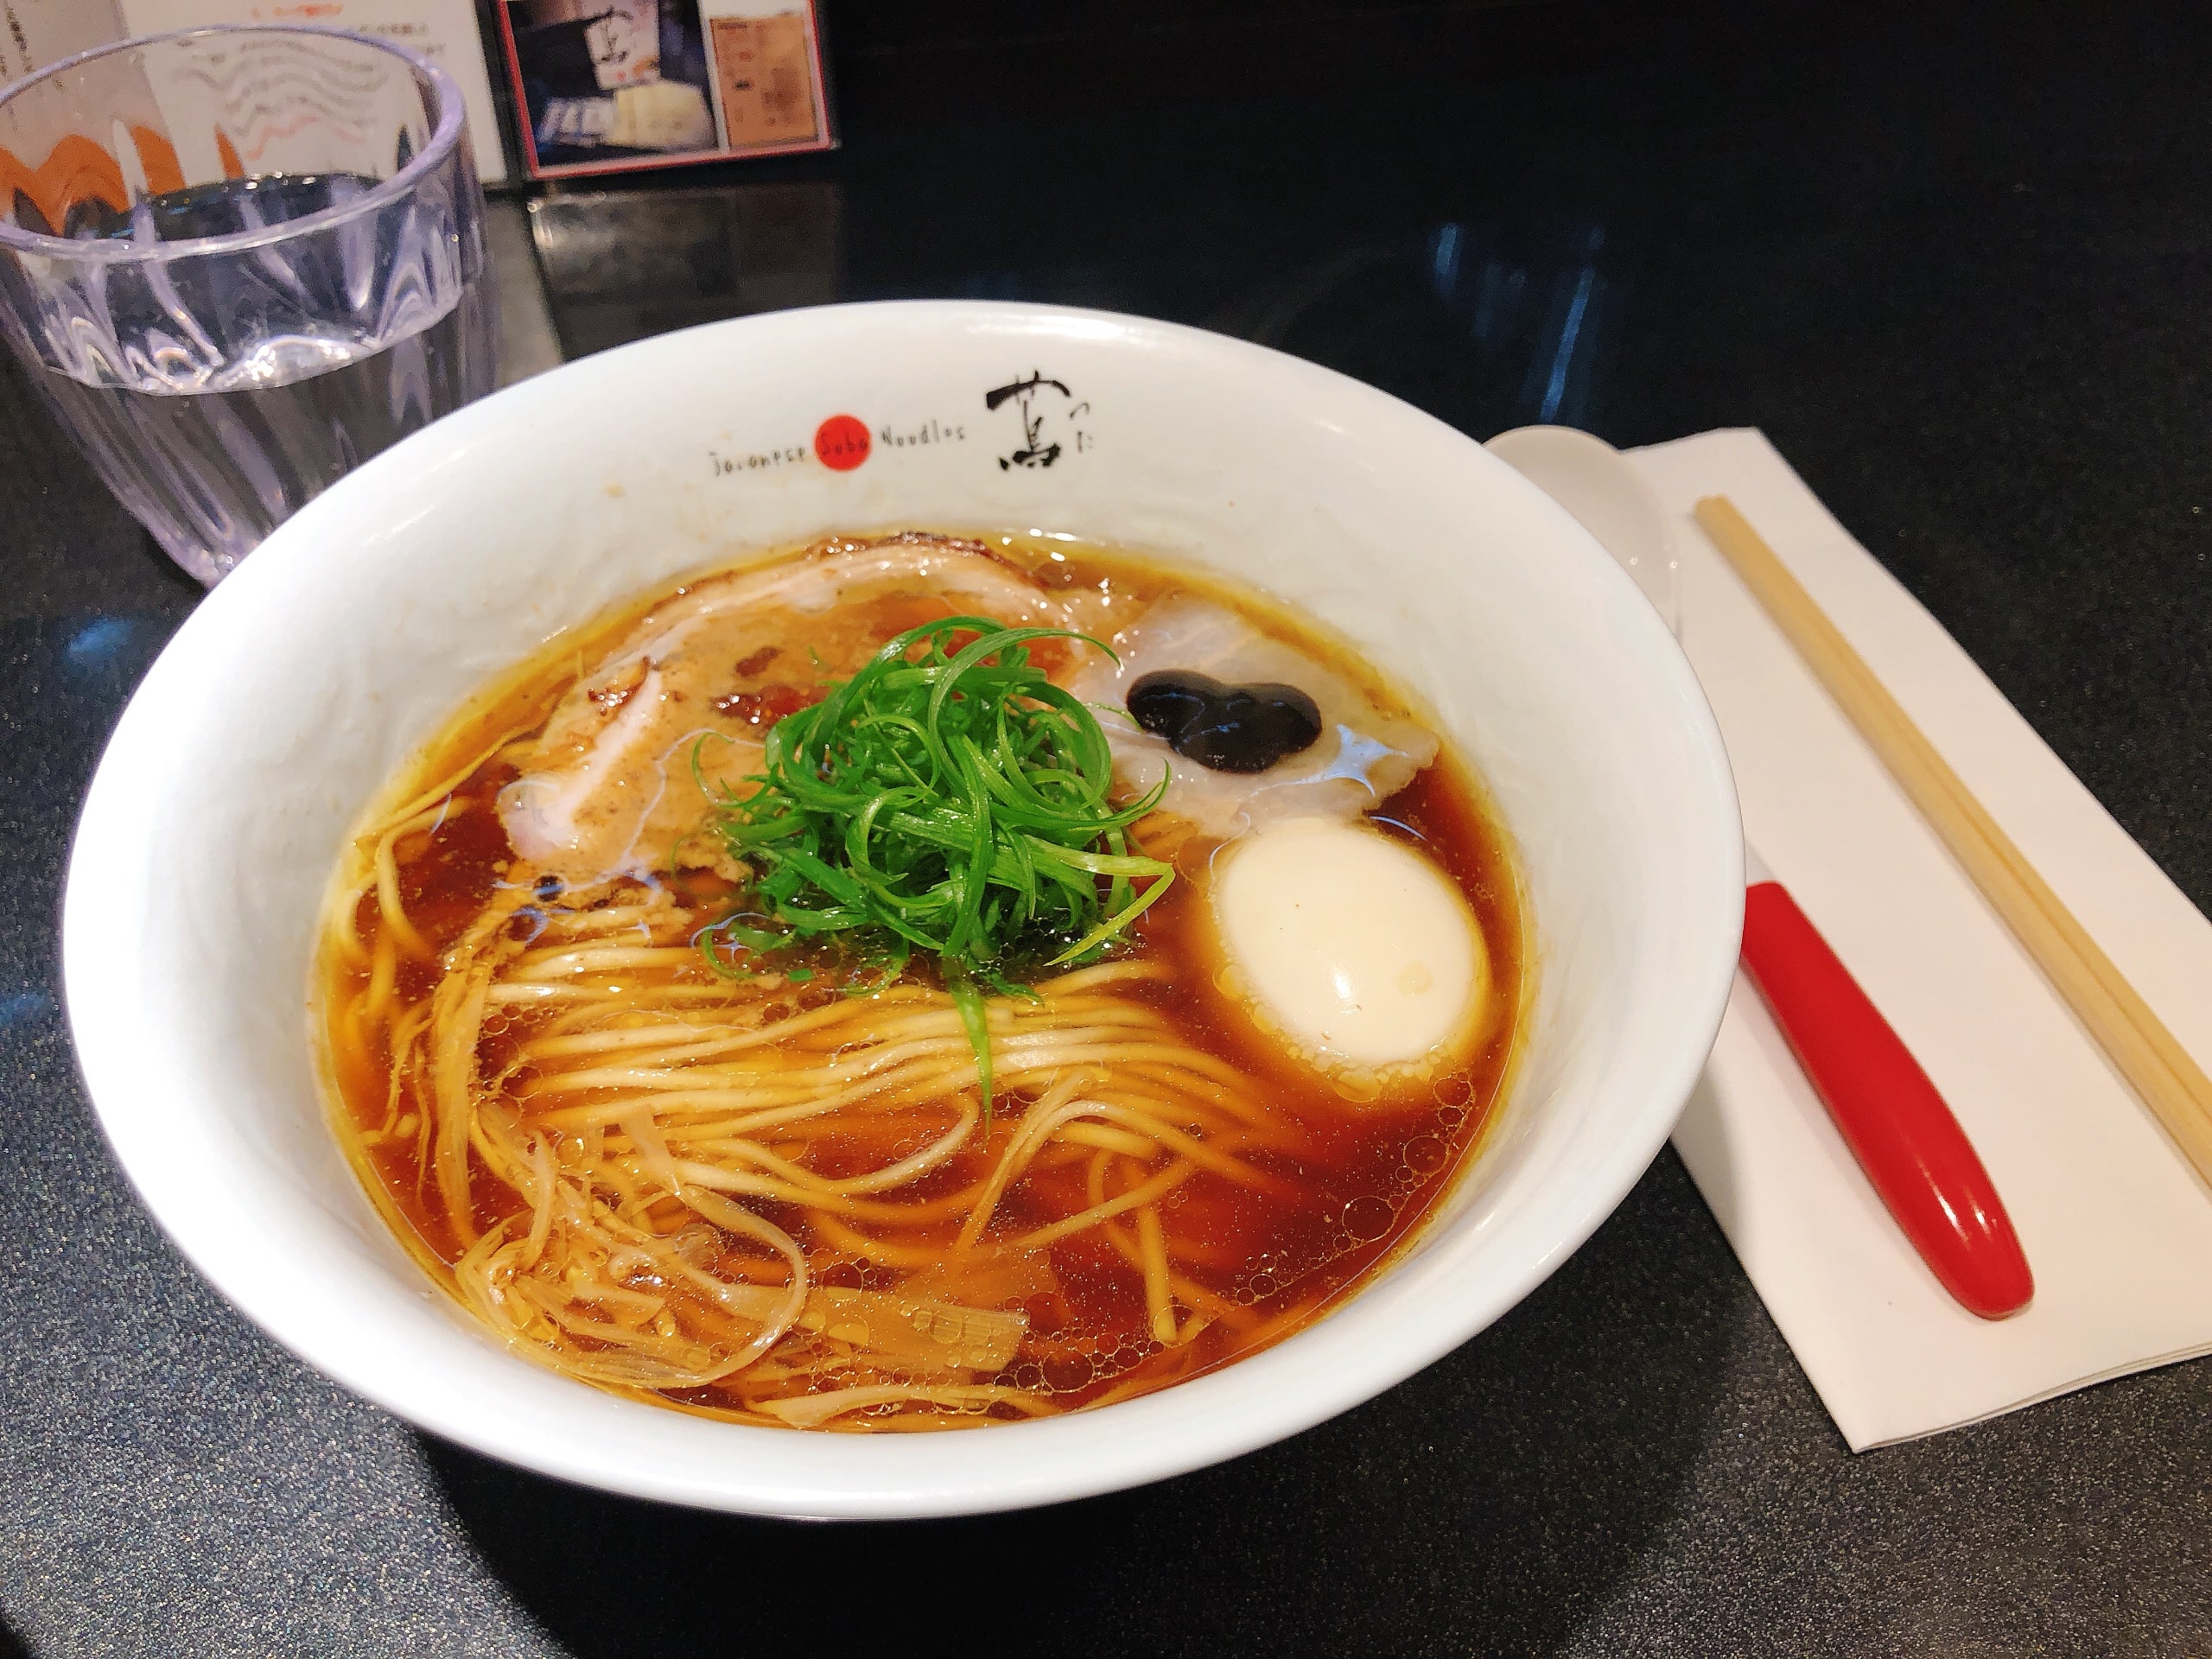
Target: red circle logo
842, 443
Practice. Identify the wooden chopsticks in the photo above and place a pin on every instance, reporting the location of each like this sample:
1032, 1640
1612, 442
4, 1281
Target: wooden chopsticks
2159, 1070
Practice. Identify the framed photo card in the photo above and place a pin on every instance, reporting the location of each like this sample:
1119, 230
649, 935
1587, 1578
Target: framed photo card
612, 86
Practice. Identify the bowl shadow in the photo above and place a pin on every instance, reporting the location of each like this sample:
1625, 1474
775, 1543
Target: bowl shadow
1490, 1502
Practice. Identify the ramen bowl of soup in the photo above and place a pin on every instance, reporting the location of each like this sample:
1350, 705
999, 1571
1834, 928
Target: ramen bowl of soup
903, 910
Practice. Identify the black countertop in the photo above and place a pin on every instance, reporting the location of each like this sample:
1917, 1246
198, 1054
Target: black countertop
1956, 267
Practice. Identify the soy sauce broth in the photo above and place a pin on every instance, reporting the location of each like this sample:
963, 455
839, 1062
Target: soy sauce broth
1348, 1188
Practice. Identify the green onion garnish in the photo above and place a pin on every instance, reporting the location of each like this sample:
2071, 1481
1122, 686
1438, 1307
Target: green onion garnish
947, 800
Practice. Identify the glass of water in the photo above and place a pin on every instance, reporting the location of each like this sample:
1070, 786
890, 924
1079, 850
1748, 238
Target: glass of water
239, 262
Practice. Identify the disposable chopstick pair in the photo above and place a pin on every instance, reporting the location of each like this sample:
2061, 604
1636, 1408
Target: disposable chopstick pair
2155, 1065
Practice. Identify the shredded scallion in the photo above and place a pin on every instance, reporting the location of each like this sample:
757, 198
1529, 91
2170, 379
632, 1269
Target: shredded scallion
948, 798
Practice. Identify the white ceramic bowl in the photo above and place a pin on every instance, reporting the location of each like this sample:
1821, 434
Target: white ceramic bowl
344, 642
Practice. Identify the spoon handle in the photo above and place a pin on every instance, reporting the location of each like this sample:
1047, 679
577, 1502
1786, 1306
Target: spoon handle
1914, 1152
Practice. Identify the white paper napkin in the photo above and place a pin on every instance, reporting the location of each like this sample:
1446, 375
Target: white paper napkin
2117, 1226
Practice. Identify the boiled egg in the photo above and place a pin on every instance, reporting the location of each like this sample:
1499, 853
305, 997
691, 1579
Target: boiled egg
1355, 948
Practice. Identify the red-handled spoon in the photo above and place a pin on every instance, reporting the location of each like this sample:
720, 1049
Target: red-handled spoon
1912, 1150
1905, 1137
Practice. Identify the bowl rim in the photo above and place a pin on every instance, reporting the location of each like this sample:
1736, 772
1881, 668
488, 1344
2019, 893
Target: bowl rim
1188, 1426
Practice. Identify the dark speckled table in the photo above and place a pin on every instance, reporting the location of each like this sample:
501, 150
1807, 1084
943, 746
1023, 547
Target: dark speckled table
1957, 267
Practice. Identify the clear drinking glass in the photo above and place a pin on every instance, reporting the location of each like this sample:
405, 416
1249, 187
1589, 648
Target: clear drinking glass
238, 262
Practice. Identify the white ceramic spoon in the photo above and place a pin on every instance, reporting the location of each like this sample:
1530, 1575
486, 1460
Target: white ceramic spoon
1912, 1149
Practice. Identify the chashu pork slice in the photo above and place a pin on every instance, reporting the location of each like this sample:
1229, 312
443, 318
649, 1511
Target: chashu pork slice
607, 789
1366, 753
